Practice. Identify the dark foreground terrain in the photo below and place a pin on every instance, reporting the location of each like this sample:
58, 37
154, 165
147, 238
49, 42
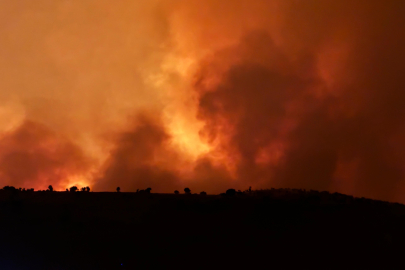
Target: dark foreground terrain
279, 229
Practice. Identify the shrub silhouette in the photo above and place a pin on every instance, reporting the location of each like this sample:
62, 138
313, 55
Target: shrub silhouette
203, 193
10, 188
50, 187
231, 192
73, 189
118, 189
148, 190
176, 192
187, 190
88, 189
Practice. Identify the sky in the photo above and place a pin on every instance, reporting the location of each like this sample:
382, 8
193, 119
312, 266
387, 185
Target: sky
208, 95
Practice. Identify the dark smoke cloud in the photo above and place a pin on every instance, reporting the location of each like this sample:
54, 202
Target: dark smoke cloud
252, 99
134, 161
356, 121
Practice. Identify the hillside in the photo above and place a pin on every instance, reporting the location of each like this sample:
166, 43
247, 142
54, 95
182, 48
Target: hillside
278, 227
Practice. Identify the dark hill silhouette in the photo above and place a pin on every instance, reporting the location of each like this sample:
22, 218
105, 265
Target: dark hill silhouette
276, 228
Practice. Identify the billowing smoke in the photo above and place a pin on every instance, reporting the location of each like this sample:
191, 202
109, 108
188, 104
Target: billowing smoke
324, 116
34, 155
204, 94
140, 159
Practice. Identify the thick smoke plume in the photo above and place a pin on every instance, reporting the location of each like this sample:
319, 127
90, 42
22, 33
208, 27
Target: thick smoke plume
34, 155
204, 94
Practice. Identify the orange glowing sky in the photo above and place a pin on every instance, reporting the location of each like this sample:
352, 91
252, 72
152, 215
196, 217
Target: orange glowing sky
209, 94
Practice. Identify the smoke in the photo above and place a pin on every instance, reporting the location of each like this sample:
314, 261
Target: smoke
32, 155
140, 159
323, 115
204, 94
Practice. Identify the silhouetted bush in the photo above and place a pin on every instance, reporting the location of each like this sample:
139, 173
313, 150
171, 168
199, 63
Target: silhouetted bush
203, 193
148, 190
231, 192
88, 189
73, 189
50, 187
176, 192
118, 189
9, 188
187, 190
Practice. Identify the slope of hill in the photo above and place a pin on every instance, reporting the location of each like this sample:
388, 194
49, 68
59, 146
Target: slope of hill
271, 228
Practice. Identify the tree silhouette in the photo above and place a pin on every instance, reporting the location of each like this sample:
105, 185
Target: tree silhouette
187, 190
203, 193
231, 192
73, 189
176, 192
50, 187
88, 189
9, 188
118, 189
148, 190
